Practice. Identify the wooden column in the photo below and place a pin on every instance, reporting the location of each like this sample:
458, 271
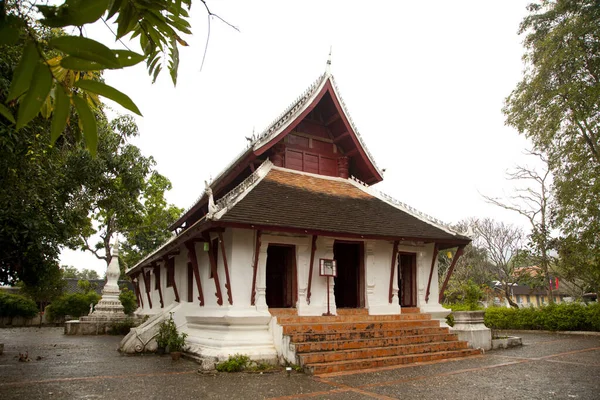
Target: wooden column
435, 253
255, 267
146, 276
313, 248
459, 253
213, 268
136, 289
156, 270
194, 261
227, 281
171, 271
392, 270
343, 171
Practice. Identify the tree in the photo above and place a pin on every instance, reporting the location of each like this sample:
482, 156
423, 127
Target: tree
153, 228
49, 286
74, 273
556, 106
42, 195
534, 201
48, 77
502, 243
472, 265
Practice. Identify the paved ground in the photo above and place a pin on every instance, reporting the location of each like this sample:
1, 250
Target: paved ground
548, 366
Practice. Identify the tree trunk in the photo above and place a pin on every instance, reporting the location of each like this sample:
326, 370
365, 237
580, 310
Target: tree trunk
509, 297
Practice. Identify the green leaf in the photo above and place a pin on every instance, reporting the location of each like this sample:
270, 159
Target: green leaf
61, 113
9, 32
5, 112
73, 12
88, 121
77, 64
86, 49
108, 92
128, 58
36, 95
114, 8
24, 72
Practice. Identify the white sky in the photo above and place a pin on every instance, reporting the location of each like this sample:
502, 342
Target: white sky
424, 83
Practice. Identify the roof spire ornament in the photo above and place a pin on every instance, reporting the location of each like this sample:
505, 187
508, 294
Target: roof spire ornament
328, 66
212, 208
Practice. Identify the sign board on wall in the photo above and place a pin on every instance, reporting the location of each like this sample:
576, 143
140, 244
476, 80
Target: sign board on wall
327, 267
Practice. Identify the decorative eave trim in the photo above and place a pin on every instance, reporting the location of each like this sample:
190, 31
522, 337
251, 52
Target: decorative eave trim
428, 219
353, 126
291, 113
228, 201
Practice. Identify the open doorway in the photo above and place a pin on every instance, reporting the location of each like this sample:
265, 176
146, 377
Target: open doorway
349, 283
281, 276
407, 282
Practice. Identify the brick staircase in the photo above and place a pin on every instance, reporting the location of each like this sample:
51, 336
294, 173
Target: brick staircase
354, 340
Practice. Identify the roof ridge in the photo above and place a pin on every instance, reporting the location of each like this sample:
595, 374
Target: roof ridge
403, 206
290, 110
352, 124
237, 193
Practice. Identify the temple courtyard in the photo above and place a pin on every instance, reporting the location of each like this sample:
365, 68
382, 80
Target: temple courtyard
548, 366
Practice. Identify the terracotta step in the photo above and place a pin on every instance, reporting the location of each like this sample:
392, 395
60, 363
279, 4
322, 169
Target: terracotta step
333, 327
283, 311
337, 345
352, 311
294, 319
377, 352
370, 334
351, 365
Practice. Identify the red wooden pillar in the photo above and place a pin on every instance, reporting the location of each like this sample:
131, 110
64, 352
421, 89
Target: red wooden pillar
459, 253
392, 270
146, 276
313, 248
343, 170
435, 253
255, 266
170, 266
194, 261
156, 270
213, 268
278, 154
136, 289
227, 281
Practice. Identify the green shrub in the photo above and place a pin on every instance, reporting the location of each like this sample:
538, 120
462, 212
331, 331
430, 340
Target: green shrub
121, 328
129, 301
73, 304
554, 317
15, 305
235, 363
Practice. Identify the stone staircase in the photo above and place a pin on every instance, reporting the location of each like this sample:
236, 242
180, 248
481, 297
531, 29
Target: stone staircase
354, 340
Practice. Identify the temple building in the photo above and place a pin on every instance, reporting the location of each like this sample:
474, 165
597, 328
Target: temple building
290, 242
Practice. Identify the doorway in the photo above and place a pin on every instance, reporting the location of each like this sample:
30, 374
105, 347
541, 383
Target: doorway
348, 289
407, 282
281, 276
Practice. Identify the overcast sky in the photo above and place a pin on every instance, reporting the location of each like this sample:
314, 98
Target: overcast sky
424, 83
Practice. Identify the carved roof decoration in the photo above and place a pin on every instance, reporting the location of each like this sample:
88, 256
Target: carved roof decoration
279, 124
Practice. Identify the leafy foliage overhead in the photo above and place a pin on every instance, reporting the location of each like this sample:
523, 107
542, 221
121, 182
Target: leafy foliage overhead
56, 74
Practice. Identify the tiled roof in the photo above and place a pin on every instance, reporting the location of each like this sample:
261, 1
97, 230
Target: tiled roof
302, 201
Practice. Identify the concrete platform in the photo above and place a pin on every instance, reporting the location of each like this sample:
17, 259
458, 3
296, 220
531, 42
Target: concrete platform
547, 366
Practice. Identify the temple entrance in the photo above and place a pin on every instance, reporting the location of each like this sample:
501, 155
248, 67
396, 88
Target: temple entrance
281, 276
349, 283
407, 279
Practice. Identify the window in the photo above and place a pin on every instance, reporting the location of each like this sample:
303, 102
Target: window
519, 299
528, 299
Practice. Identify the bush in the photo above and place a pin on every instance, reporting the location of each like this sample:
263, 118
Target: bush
129, 301
121, 328
73, 304
15, 305
554, 317
235, 363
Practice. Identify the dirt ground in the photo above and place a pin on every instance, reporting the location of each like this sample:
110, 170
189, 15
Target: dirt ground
548, 366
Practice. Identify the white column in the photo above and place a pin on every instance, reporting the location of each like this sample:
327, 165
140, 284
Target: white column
261, 279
